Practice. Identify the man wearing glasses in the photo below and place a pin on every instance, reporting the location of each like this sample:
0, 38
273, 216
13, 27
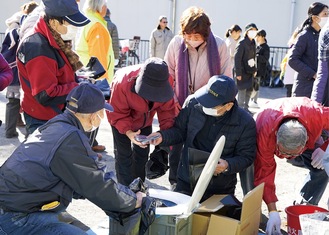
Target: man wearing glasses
160, 38
287, 128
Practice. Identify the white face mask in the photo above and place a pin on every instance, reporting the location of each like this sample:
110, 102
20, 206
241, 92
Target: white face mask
323, 21
194, 44
210, 111
252, 34
71, 33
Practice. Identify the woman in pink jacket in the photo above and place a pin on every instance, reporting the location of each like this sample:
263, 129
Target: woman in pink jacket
193, 57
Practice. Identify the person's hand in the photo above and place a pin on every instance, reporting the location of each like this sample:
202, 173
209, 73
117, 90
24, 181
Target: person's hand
273, 226
156, 141
317, 158
221, 166
139, 196
131, 135
238, 78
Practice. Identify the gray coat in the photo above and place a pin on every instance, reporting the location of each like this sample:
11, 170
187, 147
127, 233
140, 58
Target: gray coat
159, 42
114, 35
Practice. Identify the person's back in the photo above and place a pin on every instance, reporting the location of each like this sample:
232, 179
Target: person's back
114, 34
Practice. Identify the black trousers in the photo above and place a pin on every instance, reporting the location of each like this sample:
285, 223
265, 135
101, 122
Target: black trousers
174, 158
12, 114
130, 159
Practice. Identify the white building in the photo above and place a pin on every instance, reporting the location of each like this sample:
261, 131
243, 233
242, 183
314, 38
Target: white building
139, 17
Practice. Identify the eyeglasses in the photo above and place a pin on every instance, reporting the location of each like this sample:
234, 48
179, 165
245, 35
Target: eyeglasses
165, 22
288, 155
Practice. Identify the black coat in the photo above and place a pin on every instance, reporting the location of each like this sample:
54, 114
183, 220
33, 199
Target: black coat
240, 146
244, 51
262, 56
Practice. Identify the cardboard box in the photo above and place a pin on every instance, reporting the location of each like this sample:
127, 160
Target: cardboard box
179, 220
209, 218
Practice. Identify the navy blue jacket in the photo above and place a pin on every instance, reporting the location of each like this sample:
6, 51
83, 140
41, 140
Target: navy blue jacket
55, 163
304, 60
239, 150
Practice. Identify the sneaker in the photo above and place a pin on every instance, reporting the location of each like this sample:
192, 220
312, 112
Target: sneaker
253, 104
173, 186
98, 148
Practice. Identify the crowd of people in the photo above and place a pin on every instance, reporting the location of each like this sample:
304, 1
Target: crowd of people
199, 85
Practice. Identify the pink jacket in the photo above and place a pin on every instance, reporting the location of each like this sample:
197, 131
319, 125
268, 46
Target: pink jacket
198, 61
310, 114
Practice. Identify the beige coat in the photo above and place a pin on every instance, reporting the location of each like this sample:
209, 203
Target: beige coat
198, 62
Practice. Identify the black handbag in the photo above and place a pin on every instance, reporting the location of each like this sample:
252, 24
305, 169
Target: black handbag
95, 68
197, 160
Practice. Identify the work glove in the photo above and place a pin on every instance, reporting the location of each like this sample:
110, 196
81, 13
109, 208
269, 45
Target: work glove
317, 158
273, 224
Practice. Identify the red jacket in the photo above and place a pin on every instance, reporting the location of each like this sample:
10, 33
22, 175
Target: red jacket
131, 112
45, 73
310, 114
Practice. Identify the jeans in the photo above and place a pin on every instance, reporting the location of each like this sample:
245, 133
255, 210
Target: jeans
314, 188
129, 160
31, 124
35, 223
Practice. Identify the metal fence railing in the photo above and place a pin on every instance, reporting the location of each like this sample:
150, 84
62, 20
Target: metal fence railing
141, 53
276, 56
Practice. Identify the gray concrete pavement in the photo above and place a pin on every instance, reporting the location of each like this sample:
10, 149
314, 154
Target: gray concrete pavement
289, 179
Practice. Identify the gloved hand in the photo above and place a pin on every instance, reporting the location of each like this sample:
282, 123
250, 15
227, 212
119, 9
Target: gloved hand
317, 158
273, 224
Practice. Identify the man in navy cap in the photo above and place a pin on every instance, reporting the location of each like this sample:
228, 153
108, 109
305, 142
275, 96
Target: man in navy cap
207, 115
55, 164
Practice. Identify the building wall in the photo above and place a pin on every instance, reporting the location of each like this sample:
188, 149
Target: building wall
140, 17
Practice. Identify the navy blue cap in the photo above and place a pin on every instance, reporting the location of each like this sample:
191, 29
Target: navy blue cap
68, 9
219, 90
87, 98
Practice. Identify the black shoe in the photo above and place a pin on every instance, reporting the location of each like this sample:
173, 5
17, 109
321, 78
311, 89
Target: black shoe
298, 161
13, 135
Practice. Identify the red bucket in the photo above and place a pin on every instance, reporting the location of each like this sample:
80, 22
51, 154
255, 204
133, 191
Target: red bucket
293, 213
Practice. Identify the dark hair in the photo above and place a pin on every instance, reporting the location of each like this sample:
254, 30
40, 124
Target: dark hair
314, 9
47, 18
234, 28
261, 33
195, 20
29, 7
